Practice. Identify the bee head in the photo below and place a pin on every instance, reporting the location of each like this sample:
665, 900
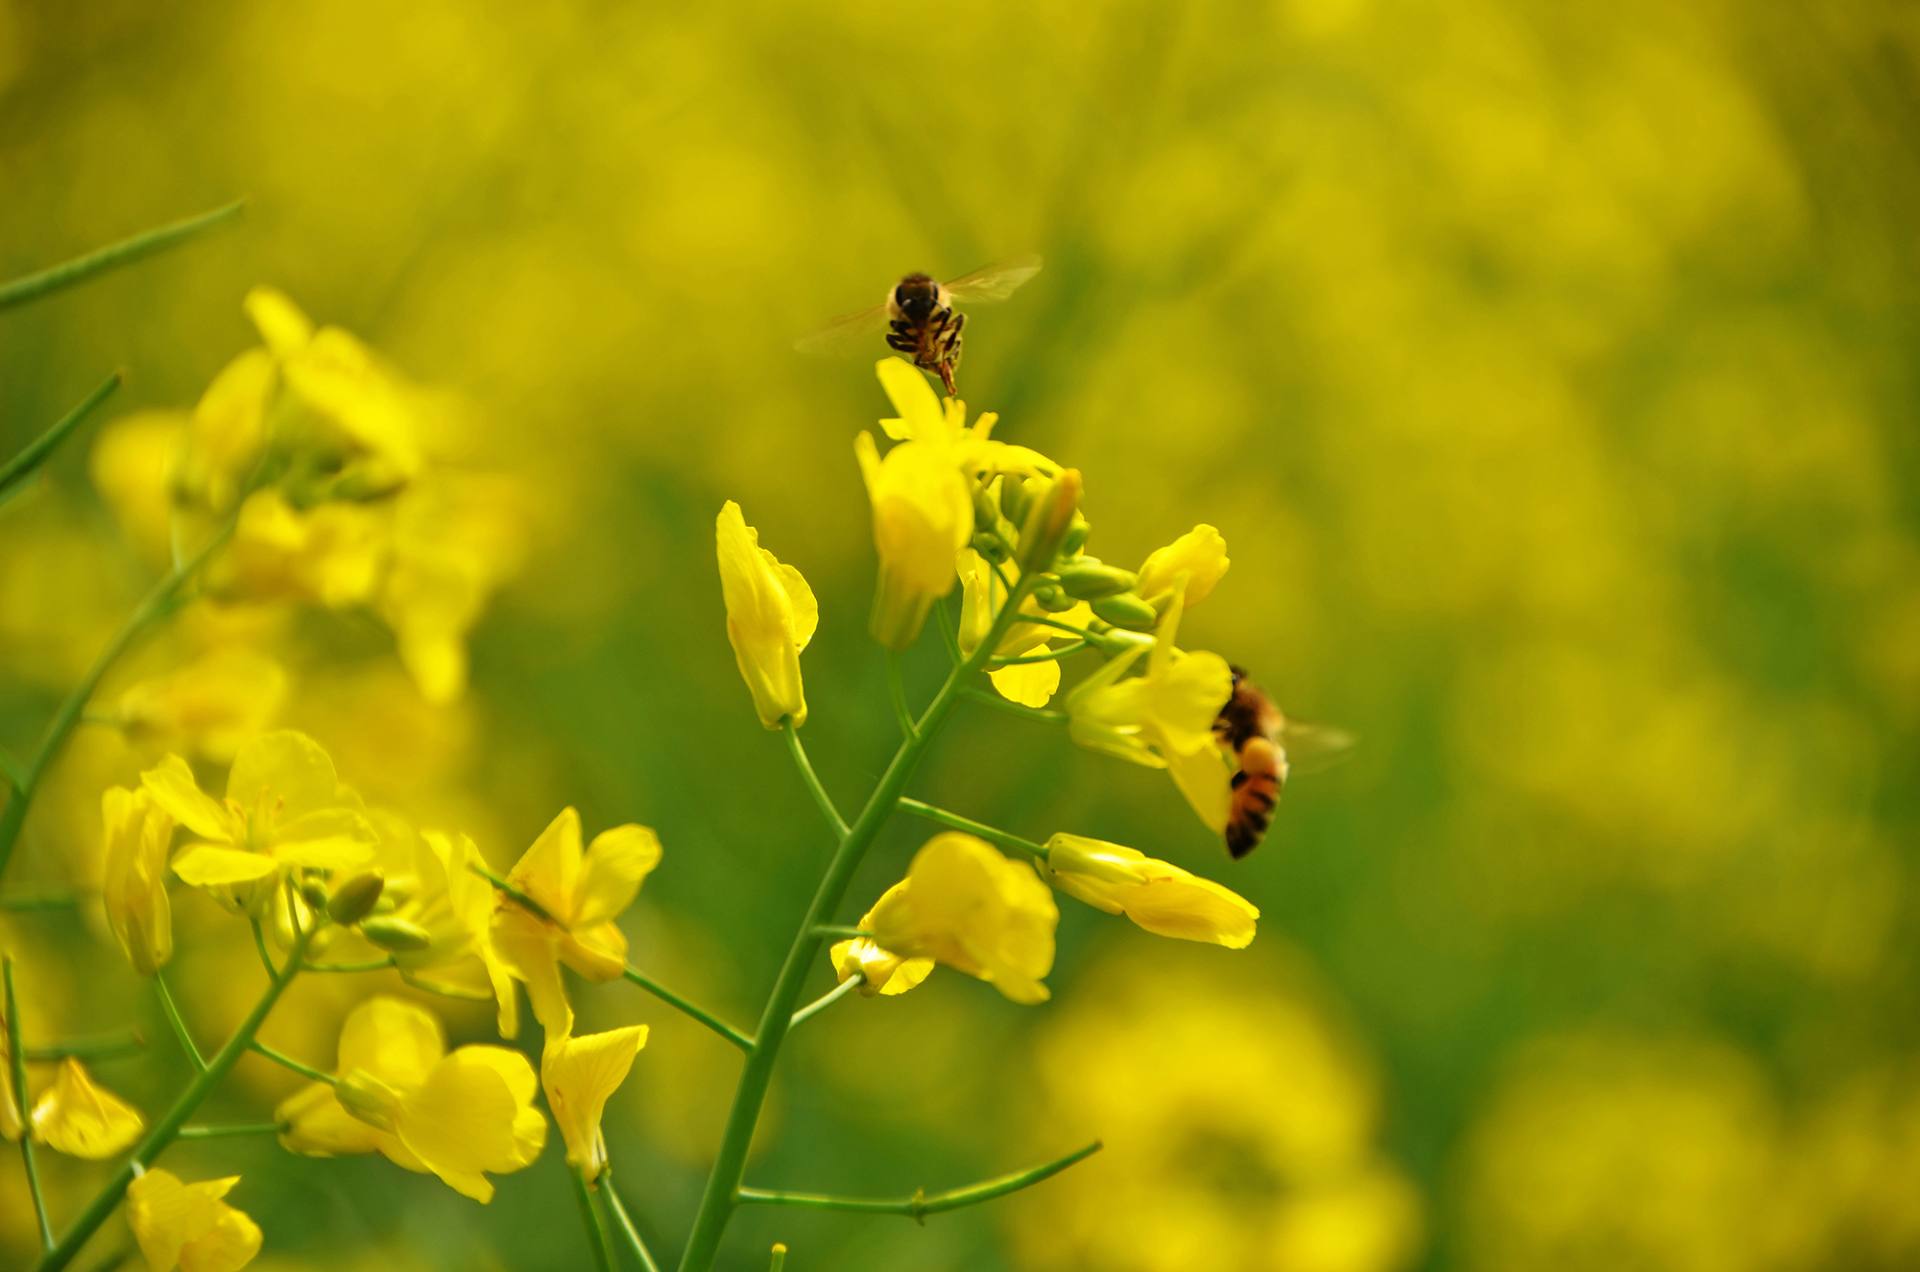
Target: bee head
915, 297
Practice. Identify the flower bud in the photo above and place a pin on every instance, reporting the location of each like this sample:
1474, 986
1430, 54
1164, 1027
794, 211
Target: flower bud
313, 890
1048, 520
354, 900
1049, 597
1076, 536
1015, 498
398, 935
1091, 580
985, 512
1126, 610
991, 547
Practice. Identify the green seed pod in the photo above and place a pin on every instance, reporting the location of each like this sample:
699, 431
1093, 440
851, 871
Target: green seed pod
1126, 610
399, 935
1090, 580
354, 900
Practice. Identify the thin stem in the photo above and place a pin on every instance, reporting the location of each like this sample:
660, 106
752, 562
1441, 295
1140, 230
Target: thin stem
839, 931
1051, 655
596, 1226
718, 1199
822, 800
125, 252
897, 694
171, 1010
108, 1046
156, 603
286, 1061
992, 834
260, 948
948, 636
825, 1001
370, 965
17, 1057
512, 893
779, 1262
1046, 715
921, 1204
167, 1129
36, 452
624, 1222
51, 899
1043, 621
689, 1007
226, 1132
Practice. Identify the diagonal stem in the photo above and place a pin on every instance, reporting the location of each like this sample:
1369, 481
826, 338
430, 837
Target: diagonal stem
171, 1010
954, 821
35, 452
921, 1204
125, 252
689, 1007
897, 694
17, 1057
624, 1222
596, 1226
826, 1000
821, 799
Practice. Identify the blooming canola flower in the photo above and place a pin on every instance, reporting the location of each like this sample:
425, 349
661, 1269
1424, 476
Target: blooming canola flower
189, 1226
771, 616
1157, 895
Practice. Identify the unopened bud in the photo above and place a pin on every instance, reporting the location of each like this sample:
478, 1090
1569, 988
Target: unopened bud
1126, 610
990, 547
354, 900
984, 511
1076, 536
1052, 598
1090, 580
1047, 522
401, 936
1015, 498
314, 890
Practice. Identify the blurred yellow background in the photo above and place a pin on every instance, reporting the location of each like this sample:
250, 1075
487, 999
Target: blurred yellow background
1550, 370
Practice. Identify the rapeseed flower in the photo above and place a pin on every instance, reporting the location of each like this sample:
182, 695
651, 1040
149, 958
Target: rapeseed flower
1156, 895
399, 1092
189, 1226
80, 1118
922, 517
771, 615
133, 876
581, 894
207, 707
578, 1075
880, 971
1192, 565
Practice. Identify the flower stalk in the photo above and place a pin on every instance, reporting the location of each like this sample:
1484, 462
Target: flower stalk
17, 1057
921, 1203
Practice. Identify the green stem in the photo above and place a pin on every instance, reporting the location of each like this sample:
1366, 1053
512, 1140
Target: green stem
35, 453
260, 948
897, 694
718, 1200
171, 1010
992, 834
596, 1226
17, 1057
157, 603
826, 1000
948, 636
52, 899
1052, 655
1046, 715
921, 1204
625, 1224
167, 1129
514, 894
821, 799
370, 965
286, 1061
110, 1046
125, 252
839, 932
779, 1261
688, 1006
226, 1132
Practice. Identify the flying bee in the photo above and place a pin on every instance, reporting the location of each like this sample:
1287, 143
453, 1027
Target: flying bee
920, 318
1256, 738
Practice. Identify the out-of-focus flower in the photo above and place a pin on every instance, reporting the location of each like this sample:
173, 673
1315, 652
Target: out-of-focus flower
967, 906
1194, 563
458, 1115
285, 808
454, 907
332, 554
189, 1226
579, 1074
79, 1117
226, 434
582, 893
880, 971
771, 615
133, 876
208, 707
1157, 895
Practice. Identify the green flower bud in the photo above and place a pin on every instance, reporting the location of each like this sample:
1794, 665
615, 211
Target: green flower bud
1015, 498
1052, 598
1090, 580
985, 513
396, 934
314, 890
1047, 522
990, 547
1076, 536
1126, 610
354, 900
367, 1098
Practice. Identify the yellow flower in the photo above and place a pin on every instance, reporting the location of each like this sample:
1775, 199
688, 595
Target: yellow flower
1192, 564
880, 971
967, 906
579, 1074
1157, 895
454, 906
133, 878
331, 555
285, 807
76, 1117
208, 707
922, 517
581, 892
940, 423
1031, 684
189, 1226
400, 1093
227, 432
771, 615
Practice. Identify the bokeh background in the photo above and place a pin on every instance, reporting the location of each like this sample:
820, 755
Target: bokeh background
1550, 369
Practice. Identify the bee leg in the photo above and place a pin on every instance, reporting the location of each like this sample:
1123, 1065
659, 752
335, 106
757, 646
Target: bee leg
900, 343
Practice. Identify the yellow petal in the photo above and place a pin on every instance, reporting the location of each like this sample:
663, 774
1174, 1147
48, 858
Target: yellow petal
921, 415
579, 1074
318, 1125
77, 1117
133, 876
615, 864
173, 788
396, 1041
1030, 684
286, 770
531, 949
465, 1120
336, 838
549, 871
212, 866
1195, 563
282, 326
188, 1226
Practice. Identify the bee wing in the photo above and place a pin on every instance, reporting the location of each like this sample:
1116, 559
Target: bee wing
1314, 748
846, 333
994, 282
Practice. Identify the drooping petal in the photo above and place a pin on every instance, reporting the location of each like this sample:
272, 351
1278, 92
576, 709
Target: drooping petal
549, 871
392, 1039
188, 1226
616, 862
465, 1119
173, 788
318, 1125
82, 1119
531, 949
579, 1074
133, 876
212, 866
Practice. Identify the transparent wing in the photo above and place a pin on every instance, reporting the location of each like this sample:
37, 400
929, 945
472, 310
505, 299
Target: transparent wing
994, 282
1314, 748
846, 333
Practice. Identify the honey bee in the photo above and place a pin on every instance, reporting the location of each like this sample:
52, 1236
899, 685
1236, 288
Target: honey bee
920, 318
1256, 737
